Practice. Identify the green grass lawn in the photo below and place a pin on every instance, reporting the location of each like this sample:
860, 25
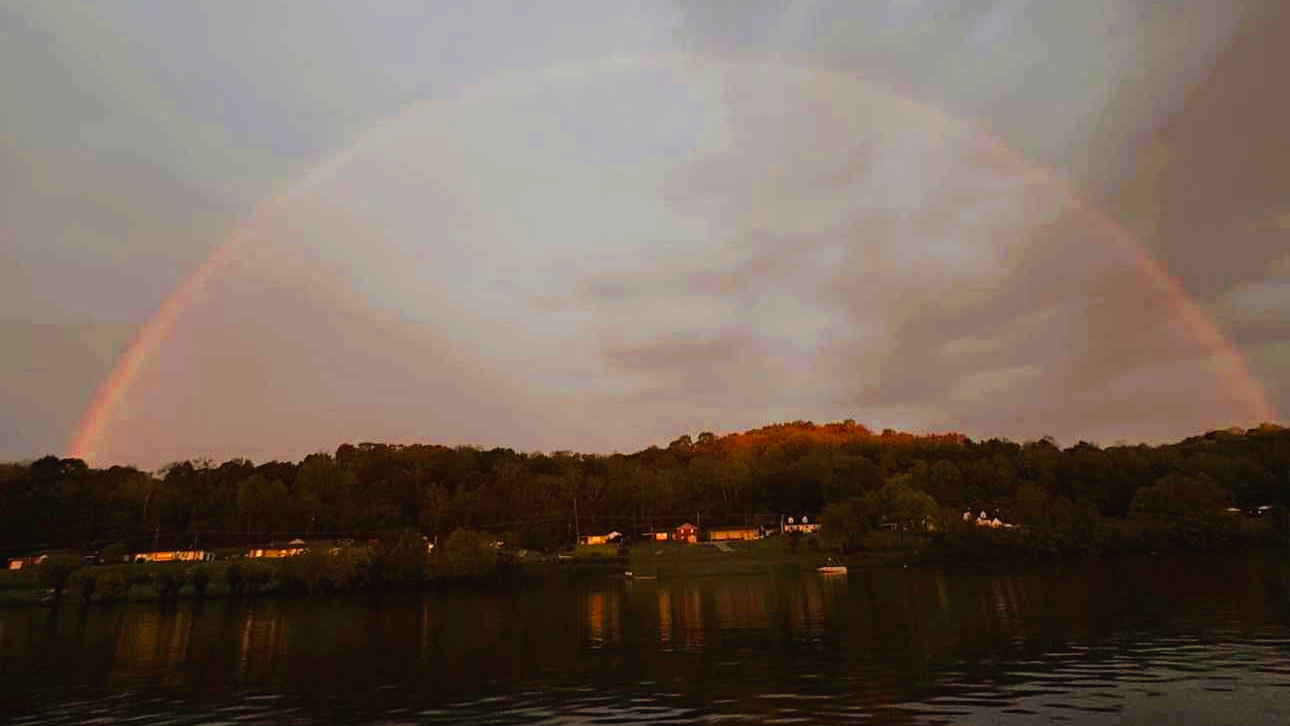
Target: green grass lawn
595, 551
764, 556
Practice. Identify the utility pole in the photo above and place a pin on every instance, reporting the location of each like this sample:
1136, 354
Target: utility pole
577, 530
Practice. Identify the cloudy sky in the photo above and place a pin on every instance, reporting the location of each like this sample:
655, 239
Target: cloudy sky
596, 226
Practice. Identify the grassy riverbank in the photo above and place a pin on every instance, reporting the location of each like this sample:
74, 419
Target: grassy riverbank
391, 569
771, 555
672, 560
471, 561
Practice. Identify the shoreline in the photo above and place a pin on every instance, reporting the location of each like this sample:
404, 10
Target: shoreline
690, 564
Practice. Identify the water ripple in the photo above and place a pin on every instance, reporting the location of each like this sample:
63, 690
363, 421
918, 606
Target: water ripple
878, 648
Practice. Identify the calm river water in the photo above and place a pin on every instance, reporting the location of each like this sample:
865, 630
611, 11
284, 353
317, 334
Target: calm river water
1149, 641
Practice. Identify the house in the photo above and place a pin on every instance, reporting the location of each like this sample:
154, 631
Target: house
799, 524
18, 563
686, 533
291, 549
173, 556
659, 536
597, 539
720, 534
984, 520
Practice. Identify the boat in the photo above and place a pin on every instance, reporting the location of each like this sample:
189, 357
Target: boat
831, 567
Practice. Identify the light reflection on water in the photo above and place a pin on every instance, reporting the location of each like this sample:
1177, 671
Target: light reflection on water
1147, 641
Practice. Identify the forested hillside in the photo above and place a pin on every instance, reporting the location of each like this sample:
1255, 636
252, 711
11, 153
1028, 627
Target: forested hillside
541, 500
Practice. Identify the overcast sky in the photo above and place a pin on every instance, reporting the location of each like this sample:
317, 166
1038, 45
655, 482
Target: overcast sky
599, 225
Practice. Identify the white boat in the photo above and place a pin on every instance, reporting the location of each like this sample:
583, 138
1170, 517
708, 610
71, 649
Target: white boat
831, 567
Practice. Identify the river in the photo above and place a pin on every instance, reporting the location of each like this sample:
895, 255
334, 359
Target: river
1142, 641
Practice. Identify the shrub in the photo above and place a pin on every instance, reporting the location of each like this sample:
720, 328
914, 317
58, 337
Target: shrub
111, 585
137, 576
466, 554
82, 583
167, 583
233, 575
55, 571
200, 576
114, 554
841, 526
1279, 524
308, 573
401, 561
349, 569
256, 575
247, 576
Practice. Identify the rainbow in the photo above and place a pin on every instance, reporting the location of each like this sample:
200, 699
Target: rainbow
93, 424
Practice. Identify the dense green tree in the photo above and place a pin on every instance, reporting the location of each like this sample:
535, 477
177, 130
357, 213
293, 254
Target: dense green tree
1115, 498
56, 570
908, 508
841, 526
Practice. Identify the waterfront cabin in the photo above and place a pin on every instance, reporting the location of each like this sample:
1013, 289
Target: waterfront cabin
173, 556
726, 534
686, 533
291, 549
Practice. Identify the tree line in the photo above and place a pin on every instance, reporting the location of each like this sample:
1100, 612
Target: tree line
1064, 498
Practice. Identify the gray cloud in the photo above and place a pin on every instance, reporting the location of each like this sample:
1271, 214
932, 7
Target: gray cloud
690, 369
796, 220
49, 371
